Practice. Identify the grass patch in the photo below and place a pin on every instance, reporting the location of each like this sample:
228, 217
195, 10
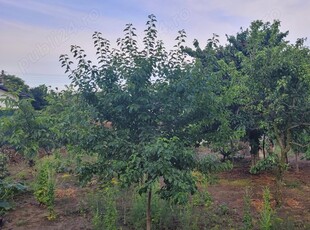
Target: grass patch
20, 223
239, 182
293, 184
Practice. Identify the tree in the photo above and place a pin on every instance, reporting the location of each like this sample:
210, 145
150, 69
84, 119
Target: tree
145, 96
261, 83
39, 95
27, 130
14, 84
278, 79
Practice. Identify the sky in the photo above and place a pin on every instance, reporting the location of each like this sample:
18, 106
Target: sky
35, 33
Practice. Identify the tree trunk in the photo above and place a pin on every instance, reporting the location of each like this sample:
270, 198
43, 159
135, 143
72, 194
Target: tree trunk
296, 161
283, 139
286, 158
148, 211
252, 160
279, 177
264, 152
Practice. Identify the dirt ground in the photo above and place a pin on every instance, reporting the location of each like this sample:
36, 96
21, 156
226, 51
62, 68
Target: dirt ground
72, 212
296, 192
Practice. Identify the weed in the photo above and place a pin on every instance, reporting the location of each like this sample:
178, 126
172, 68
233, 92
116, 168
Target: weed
287, 224
3, 166
267, 212
237, 183
247, 216
44, 188
293, 184
20, 223
103, 208
21, 175
163, 212
223, 209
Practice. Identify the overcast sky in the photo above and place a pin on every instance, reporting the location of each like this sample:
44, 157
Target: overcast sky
34, 33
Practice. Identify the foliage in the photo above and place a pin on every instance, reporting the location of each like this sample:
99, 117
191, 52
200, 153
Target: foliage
202, 197
3, 166
27, 130
7, 191
269, 163
39, 95
45, 183
166, 159
7, 188
209, 164
220, 92
58, 124
15, 84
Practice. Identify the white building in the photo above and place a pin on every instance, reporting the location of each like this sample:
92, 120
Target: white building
4, 93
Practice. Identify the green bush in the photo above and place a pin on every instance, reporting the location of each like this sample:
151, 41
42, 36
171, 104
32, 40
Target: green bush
7, 192
7, 188
266, 164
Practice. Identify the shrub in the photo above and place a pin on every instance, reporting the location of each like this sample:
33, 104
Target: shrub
266, 164
7, 192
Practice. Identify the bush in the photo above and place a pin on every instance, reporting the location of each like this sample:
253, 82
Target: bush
266, 164
7, 192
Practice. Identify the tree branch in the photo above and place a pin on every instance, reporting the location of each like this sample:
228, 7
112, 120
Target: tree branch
300, 145
297, 125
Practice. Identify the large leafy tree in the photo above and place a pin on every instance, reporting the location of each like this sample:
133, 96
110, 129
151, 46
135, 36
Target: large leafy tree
145, 96
277, 80
262, 87
280, 78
